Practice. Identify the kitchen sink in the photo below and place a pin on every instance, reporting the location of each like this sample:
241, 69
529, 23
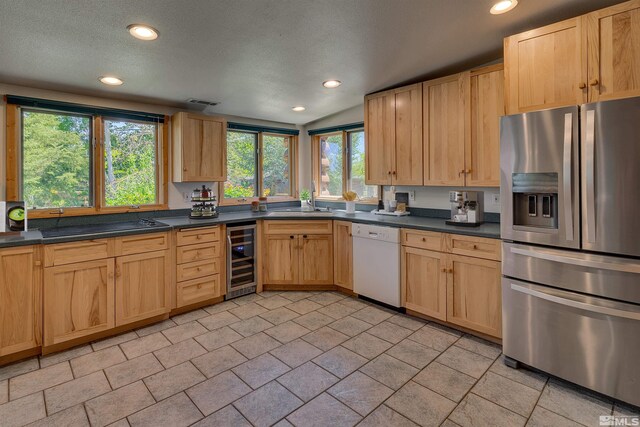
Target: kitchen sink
300, 212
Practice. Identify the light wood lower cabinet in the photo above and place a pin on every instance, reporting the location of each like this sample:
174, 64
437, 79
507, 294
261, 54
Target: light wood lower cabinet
20, 299
316, 259
281, 259
78, 300
343, 254
142, 289
424, 282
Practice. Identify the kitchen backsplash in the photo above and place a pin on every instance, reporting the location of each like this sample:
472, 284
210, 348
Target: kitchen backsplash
438, 197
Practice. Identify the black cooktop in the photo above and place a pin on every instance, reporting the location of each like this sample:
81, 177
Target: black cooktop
76, 230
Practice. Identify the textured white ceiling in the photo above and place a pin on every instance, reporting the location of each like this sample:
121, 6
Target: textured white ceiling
257, 57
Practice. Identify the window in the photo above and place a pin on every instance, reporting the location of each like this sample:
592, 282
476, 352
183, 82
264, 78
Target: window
259, 163
339, 165
76, 160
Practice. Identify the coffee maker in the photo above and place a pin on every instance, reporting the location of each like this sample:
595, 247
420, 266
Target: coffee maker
466, 208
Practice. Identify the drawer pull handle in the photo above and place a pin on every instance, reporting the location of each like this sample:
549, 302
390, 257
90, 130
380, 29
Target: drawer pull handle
199, 268
424, 239
199, 237
582, 85
475, 246
444, 270
593, 82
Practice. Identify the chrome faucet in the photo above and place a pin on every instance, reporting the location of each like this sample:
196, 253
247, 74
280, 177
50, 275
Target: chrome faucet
312, 202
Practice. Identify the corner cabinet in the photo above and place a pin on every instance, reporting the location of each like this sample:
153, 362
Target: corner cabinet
199, 147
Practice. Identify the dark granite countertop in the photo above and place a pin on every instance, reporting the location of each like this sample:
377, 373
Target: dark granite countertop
20, 239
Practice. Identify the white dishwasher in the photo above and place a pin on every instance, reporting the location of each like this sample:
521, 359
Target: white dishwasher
376, 263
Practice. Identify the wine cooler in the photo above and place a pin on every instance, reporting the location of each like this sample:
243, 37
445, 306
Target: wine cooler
241, 260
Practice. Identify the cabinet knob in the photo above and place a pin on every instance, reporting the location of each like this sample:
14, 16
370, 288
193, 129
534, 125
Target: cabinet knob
184, 169
291, 237
304, 236
199, 268
424, 239
350, 235
582, 85
199, 237
451, 270
593, 82
475, 246
394, 172
468, 171
444, 270
460, 173
388, 172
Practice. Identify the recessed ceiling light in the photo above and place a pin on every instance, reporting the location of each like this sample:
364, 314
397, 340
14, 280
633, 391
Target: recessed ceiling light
111, 81
331, 84
298, 108
143, 32
503, 6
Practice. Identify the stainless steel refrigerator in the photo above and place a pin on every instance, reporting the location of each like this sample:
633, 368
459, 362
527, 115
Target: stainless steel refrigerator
570, 224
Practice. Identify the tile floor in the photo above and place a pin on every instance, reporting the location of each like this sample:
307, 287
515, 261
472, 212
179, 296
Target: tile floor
291, 358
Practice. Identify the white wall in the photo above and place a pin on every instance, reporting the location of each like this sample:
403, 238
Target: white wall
176, 190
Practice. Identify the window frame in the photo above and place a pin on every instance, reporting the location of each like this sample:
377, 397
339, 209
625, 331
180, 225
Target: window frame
346, 173
14, 164
293, 171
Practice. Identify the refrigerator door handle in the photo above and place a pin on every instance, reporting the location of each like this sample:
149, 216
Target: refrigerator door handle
567, 175
565, 298
589, 148
603, 265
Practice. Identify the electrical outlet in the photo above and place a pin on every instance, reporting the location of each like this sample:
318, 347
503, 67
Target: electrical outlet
496, 199
186, 197
412, 196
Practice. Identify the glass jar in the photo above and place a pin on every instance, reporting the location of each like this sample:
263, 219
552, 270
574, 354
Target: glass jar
262, 201
195, 195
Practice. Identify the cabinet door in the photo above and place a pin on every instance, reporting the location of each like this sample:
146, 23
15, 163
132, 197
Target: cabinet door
142, 286
445, 108
424, 282
20, 290
379, 127
316, 259
199, 148
78, 300
474, 297
613, 47
408, 168
280, 259
482, 154
545, 67
343, 254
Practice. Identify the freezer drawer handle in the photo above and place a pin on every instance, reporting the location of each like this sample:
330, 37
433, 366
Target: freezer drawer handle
573, 303
613, 266
590, 144
567, 175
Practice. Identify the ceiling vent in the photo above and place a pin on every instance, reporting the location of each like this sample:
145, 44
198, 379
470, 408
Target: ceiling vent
201, 102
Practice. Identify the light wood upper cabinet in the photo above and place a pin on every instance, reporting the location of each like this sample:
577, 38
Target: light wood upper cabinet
281, 259
20, 299
199, 147
78, 300
142, 286
613, 51
316, 259
379, 128
424, 282
482, 151
343, 254
445, 109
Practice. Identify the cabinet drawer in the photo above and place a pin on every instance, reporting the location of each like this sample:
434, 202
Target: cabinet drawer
478, 247
85, 250
199, 252
190, 236
197, 269
196, 290
298, 227
422, 239
141, 243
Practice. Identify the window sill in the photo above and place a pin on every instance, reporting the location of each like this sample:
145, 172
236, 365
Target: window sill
248, 200
68, 212
341, 200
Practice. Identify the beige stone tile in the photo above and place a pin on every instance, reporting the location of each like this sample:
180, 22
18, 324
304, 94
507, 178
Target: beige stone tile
283, 423
115, 340
307, 381
480, 346
155, 327
574, 403
184, 332
384, 416
296, 352
180, 352
173, 380
372, 315
390, 332
220, 307
314, 320
63, 356
625, 410
340, 361
360, 393
4, 391
217, 392
19, 368
218, 338
267, 404
476, 411
246, 299
176, 411
144, 345
72, 417
433, 338
296, 295
324, 410
218, 320
189, 316
507, 393
408, 322
445, 329
420, 404
367, 345
448, 382
34, 381
523, 376
350, 326
256, 345
117, 404
286, 332
259, 371
132, 370
325, 338
465, 361
251, 326
304, 306
120, 423
543, 418
389, 371
25, 410
74, 392
97, 361
248, 310
326, 298
217, 361
225, 417
354, 303
413, 353
279, 315
338, 310
273, 302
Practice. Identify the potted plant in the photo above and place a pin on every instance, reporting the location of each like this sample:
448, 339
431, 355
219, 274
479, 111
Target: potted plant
305, 196
350, 201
